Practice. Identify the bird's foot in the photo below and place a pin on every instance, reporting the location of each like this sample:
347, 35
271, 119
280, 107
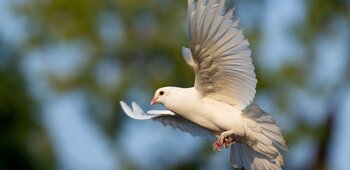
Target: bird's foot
217, 146
225, 140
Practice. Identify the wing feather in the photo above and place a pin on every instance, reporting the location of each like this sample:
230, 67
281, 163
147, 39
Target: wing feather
219, 54
167, 118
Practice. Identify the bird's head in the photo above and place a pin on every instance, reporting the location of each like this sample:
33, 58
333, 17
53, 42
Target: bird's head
161, 95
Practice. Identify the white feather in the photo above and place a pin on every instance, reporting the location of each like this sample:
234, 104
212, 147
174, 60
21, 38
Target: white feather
167, 118
212, 35
135, 113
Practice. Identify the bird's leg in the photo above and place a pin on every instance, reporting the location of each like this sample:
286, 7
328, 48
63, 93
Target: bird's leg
224, 140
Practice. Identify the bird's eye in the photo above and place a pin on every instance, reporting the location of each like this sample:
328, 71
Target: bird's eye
161, 93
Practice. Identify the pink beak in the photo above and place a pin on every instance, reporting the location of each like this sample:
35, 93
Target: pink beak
154, 101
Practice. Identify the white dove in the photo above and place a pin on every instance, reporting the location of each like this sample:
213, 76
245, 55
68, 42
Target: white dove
220, 103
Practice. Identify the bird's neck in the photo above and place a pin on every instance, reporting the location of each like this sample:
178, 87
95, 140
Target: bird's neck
182, 99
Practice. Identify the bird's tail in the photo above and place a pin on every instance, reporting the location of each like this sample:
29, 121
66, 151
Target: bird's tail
261, 147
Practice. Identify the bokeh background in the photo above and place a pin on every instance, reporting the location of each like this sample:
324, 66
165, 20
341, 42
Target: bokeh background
64, 66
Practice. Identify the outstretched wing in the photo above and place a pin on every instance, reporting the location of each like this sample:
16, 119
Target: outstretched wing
219, 54
167, 118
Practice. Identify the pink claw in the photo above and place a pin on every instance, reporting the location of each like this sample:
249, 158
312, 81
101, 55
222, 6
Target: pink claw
217, 146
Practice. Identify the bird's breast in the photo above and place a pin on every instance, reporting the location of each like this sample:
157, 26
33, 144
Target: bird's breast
214, 117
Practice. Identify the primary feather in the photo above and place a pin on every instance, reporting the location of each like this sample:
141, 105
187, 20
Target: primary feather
167, 118
221, 56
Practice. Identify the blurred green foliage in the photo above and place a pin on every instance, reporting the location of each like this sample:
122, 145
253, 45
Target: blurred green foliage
24, 143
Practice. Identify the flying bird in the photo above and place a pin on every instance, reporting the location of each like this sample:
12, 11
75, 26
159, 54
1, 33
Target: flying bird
220, 105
